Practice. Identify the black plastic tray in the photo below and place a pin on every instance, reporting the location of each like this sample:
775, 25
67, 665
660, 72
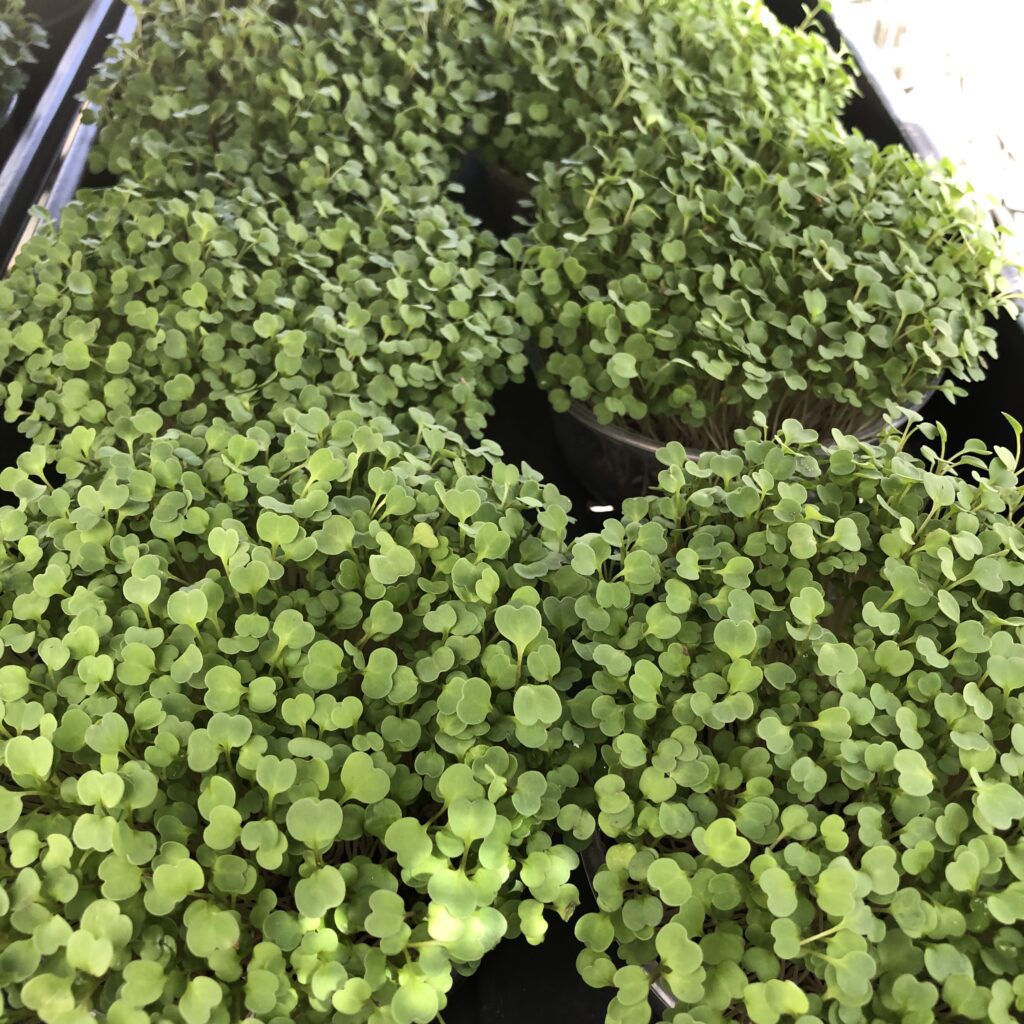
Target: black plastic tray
60, 20
40, 147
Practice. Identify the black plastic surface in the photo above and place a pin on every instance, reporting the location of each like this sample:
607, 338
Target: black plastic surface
59, 19
38, 148
523, 984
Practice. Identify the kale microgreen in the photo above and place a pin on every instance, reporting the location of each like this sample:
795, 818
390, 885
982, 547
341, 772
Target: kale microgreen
305, 703
200, 305
806, 679
526, 82
261, 753
677, 285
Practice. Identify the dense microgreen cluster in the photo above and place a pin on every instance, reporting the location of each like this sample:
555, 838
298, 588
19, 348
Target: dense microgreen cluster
709, 242
199, 306
678, 285
807, 671
318, 86
20, 35
527, 82
579, 72
281, 722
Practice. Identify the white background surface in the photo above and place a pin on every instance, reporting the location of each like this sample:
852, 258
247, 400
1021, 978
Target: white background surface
961, 66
